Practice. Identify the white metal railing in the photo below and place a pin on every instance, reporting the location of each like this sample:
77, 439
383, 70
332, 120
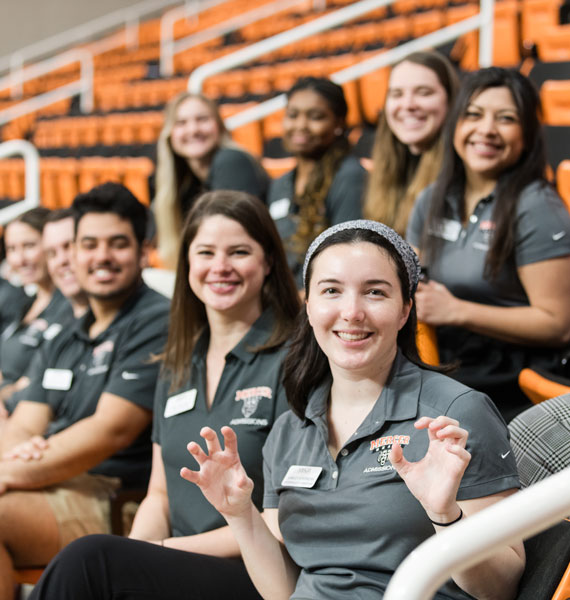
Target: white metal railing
32, 165
16, 79
382, 59
519, 516
128, 16
482, 21
169, 48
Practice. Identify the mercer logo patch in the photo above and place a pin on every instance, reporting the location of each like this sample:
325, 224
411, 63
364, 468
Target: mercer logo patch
382, 446
251, 398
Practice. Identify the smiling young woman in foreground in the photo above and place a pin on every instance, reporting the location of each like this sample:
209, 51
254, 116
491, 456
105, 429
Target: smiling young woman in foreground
378, 453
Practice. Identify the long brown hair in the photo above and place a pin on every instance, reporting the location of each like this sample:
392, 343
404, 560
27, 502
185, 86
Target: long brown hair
397, 177
188, 314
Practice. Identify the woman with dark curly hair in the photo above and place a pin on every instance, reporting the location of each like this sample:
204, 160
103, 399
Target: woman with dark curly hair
327, 185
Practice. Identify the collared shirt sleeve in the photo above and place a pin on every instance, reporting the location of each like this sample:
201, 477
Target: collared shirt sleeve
233, 169
270, 496
416, 222
160, 397
543, 225
135, 368
344, 200
492, 468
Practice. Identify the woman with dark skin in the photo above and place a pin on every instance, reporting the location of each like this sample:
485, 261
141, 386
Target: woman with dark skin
327, 185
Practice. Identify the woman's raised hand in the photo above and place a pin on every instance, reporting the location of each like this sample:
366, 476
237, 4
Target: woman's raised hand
221, 477
434, 480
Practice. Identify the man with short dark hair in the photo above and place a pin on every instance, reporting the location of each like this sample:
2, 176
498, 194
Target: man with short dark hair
94, 388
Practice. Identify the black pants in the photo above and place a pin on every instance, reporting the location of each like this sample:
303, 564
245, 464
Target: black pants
106, 567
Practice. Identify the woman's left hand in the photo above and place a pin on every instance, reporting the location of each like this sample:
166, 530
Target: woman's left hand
434, 480
436, 305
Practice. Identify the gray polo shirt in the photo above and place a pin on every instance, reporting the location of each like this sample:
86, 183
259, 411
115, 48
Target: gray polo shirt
343, 203
355, 525
249, 398
542, 233
231, 169
75, 370
21, 340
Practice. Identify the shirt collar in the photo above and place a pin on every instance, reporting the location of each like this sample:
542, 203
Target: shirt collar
83, 324
398, 401
244, 350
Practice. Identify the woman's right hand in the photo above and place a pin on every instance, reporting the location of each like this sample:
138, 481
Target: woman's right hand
221, 477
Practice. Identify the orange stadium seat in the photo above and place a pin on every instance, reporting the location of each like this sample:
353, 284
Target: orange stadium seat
536, 15
539, 387
554, 45
555, 98
563, 181
427, 22
373, 88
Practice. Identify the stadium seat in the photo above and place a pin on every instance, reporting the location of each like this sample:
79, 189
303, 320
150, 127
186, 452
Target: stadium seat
563, 181
554, 44
427, 344
555, 98
539, 385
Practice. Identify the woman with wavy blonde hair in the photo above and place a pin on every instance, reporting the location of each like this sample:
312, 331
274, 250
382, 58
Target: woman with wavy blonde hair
408, 147
195, 153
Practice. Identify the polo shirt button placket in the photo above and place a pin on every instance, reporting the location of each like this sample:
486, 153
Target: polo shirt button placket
334, 476
344, 452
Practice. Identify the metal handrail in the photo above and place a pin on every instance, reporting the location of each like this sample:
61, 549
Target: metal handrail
85, 59
382, 59
129, 16
482, 21
167, 21
517, 517
32, 165
274, 42
169, 48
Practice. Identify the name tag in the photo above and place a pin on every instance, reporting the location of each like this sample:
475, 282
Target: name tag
300, 476
52, 331
448, 230
57, 379
180, 403
279, 208
9, 331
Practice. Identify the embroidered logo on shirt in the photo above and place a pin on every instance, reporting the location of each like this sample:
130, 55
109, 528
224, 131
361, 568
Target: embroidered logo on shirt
251, 398
382, 447
100, 357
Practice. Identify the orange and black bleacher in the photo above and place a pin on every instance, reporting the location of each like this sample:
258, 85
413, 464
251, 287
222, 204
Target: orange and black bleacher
129, 95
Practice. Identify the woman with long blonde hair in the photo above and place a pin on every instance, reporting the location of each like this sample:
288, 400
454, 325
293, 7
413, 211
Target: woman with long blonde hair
408, 146
195, 153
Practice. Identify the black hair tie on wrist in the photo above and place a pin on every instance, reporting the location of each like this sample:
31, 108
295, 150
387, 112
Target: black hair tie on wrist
450, 522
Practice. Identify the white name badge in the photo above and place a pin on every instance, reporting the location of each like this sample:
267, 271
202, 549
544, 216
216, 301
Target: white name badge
52, 331
300, 476
279, 209
180, 403
57, 379
448, 230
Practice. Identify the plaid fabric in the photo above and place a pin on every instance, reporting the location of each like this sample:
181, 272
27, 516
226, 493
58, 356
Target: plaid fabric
540, 437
